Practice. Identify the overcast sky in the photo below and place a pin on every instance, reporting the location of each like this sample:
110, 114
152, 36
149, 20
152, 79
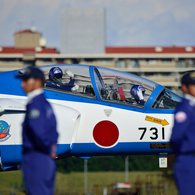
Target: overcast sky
128, 22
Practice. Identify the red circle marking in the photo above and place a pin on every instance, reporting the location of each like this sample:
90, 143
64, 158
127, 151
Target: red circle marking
105, 133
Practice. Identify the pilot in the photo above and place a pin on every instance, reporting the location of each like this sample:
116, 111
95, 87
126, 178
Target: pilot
55, 80
39, 136
183, 137
137, 92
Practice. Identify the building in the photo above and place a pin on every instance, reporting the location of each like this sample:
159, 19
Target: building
82, 30
164, 65
28, 44
27, 39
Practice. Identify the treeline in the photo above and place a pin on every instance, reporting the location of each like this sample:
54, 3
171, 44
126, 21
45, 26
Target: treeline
117, 163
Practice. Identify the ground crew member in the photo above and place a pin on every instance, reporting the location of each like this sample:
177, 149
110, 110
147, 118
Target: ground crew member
183, 137
39, 136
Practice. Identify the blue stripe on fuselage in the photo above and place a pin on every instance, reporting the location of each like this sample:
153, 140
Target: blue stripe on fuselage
123, 148
12, 154
10, 85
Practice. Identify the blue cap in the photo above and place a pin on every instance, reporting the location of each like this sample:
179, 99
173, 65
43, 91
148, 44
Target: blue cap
188, 78
32, 72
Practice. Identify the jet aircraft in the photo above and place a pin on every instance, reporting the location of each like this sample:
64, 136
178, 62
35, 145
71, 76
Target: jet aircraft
101, 118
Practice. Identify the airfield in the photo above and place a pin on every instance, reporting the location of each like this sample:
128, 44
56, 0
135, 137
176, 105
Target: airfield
146, 183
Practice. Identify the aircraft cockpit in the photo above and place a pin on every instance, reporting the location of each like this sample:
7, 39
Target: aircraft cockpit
81, 78
115, 86
112, 86
120, 87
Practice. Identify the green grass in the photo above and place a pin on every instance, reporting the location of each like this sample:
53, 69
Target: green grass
9, 179
74, 182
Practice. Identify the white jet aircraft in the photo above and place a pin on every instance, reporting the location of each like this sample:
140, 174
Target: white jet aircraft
101, 118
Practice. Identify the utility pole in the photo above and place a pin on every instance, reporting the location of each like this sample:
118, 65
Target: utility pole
85, 176
127, 169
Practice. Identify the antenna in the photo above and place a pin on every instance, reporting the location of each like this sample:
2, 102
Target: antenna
19, 25
33, 27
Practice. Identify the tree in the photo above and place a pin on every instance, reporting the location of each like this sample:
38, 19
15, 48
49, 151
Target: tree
117, 163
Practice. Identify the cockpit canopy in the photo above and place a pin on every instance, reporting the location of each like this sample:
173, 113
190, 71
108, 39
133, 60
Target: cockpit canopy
110, 86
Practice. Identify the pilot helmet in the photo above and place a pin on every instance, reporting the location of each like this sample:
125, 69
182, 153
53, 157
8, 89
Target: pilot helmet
55, 73
137, 92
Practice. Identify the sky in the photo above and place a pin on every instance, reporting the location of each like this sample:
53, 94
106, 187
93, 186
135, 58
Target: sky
128, 22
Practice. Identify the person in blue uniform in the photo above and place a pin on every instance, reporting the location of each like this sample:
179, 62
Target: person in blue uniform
39, 136
183, 137
137, 92
55, 80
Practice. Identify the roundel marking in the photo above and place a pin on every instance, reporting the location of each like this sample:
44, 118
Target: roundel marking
105, 133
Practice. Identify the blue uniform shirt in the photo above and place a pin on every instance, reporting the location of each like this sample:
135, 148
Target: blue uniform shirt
183, 133
39, 126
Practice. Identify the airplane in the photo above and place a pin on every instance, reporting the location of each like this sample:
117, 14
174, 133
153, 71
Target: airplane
101, 118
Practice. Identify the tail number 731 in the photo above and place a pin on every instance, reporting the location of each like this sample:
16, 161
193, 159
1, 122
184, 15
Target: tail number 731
155, 133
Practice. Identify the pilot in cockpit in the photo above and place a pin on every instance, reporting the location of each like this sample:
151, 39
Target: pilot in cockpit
55, 80
137, 92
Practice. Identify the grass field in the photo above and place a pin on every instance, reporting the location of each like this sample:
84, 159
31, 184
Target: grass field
73, 183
